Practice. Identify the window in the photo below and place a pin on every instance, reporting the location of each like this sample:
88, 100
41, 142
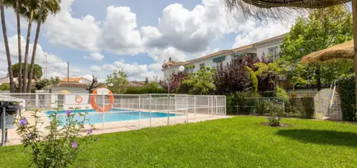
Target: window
219, 59
202, 65
273, 53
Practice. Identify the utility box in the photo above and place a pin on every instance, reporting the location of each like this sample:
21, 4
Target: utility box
11, 109
8, 112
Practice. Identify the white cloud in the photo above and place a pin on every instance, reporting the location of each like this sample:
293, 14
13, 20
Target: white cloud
95, 68
137, 72
95, 56
51, 64
80, 33
161, 55
120, 34
190, 31
252, 32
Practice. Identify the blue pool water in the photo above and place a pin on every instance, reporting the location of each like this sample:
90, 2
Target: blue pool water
114, 115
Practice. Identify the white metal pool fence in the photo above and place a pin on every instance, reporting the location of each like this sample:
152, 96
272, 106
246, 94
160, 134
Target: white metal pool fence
178, 108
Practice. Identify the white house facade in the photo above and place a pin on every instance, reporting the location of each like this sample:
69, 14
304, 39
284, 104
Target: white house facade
267, 49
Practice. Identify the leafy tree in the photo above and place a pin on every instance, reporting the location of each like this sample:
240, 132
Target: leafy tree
200, 82
4, 86
46, 82
321, 29
234, 76
117, 82
173, 85
37, 70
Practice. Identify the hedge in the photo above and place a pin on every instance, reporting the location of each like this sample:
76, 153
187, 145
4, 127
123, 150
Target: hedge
346, 88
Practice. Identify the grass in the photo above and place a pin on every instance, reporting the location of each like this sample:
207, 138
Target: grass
234, 142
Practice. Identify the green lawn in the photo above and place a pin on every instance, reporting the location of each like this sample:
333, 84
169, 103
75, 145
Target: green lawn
235, 142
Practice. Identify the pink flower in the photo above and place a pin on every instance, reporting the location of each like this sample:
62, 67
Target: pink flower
74, 144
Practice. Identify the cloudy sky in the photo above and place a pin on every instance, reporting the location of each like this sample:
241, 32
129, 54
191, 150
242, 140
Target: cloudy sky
99, 36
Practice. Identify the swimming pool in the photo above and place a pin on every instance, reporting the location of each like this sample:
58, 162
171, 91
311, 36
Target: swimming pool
114, 115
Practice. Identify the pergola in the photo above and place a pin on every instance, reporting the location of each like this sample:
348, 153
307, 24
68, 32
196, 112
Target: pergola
340, 51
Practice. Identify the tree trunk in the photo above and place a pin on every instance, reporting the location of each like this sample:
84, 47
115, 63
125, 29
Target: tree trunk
24, 86
38, 29
7, 49
19, 77
354, 14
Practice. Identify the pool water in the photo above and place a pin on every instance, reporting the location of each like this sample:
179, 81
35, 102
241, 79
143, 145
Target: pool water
114, 115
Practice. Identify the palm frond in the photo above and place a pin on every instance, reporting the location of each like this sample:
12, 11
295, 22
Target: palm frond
278, 8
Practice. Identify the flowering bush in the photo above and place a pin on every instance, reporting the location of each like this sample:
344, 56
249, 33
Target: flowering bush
58, 144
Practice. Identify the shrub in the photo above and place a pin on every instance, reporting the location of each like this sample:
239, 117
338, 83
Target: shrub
200, 82
346, 88
56, 147
276, 110
148, 88
240, 102
4, 87
300, 107
281, 94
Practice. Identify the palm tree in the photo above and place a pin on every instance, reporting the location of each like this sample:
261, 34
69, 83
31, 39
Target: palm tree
253, 6
19, 8
31, 5
45, 7
7, 49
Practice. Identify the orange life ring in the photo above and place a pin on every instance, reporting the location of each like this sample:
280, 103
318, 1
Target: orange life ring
78, 99
105, 108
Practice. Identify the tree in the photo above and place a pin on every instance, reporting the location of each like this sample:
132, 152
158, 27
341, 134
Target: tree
31, 6
200, 82
321, 29
174, 83
117, 82
234, 76
37, 70
7, 48
4, 87
45, 7
19, 8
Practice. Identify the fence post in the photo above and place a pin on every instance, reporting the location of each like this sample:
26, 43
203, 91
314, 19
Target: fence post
186, 108
150, 107
3, 127
168, 110
194, 105
139, 111
36, 100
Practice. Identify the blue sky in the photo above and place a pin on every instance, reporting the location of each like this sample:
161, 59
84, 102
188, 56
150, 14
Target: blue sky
98, 36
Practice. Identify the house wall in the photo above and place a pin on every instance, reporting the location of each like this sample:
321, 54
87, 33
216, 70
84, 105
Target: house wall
261, 49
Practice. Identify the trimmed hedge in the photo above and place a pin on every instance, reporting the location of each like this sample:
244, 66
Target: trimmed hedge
244, 103
146, 89
346, 88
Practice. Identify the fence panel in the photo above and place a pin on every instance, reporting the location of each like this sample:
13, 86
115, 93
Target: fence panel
125, 111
